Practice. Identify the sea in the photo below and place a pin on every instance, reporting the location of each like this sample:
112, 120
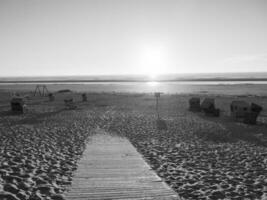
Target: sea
220, 83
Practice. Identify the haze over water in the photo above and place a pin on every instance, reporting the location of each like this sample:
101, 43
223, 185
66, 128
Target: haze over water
249, 83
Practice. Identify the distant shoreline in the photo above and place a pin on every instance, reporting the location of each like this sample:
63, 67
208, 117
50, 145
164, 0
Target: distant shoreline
179, 87
145, 80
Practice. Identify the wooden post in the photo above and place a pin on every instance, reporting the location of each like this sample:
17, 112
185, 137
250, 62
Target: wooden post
161, 124
157, 95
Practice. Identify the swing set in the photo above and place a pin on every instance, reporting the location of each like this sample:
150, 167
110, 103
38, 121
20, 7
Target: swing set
41, 90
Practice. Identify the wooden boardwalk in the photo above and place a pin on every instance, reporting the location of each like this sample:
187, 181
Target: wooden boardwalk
111, 168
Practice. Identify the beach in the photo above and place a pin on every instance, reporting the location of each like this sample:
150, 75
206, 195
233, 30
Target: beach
133, 100
200, 157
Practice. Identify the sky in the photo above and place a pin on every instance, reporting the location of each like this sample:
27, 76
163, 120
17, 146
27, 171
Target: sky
150, 37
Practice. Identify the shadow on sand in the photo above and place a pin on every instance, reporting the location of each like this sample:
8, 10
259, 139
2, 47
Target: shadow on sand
250, 133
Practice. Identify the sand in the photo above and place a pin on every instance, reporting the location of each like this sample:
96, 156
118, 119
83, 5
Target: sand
40, 149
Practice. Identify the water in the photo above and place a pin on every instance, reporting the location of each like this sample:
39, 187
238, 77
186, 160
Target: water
216, 77
217, 84
217, 87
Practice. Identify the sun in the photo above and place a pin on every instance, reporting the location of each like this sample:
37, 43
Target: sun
152, 75
152, 61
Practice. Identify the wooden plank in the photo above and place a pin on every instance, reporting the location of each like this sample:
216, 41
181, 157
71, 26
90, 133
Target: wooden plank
111, 168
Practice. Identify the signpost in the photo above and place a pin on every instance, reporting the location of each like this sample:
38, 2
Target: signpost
161, 124
157, 95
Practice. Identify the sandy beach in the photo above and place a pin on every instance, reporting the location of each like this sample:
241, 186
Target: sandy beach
200, 157
133, 100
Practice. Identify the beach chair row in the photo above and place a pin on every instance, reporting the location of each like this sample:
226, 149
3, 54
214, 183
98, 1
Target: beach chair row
241, 111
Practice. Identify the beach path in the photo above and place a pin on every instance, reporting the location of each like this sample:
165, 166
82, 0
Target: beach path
111, 168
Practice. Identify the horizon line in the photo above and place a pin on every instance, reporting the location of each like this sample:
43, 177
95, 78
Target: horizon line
165, 74
141, 80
